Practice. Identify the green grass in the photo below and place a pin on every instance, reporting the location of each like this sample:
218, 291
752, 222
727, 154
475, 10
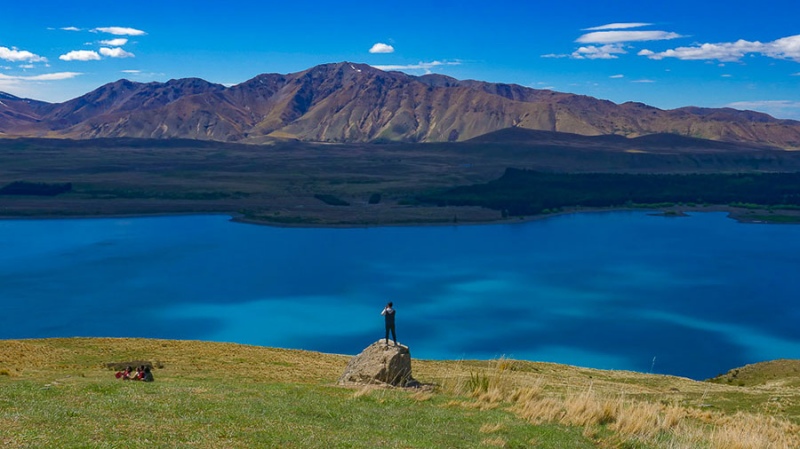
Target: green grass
58, 393
80, 412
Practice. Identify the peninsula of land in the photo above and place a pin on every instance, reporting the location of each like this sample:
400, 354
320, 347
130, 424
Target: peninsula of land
504, 177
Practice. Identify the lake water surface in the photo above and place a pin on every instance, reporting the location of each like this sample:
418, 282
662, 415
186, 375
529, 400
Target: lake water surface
689, 296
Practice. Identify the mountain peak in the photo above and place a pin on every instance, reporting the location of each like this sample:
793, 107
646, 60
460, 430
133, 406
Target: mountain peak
346, 70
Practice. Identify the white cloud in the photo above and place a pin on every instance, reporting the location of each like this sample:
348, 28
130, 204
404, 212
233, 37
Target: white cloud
609, 51
617, 76
381, 48
616, 37
645, 81
784, 48
45, 77
80, 55
618, 26
541, 85
116, 53
120, 31
787, 109
14, 55
132, 71
726, 75
71, 29
119, 42
425, 66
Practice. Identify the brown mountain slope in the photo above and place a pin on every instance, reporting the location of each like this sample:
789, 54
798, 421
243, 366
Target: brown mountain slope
19, 114
348, 102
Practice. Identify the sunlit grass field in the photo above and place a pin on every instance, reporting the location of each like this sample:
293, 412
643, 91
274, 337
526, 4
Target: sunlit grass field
58, 393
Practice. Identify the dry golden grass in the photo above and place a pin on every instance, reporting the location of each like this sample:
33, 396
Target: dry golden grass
747, 431
491, 428
586, 409
619, 407
179, 358
495, 442
366, 390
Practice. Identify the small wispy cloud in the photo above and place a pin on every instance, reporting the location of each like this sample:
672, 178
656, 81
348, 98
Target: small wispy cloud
115, 53
610, 40
617, 76
15, 55
70, 29
618, 37
645, 81
132, 71
380, 47
618, 26
425, 66
80, 55
119, 31
726, 75
119, 42
30, 86
609, 51
541, 85
784, 48
45, 77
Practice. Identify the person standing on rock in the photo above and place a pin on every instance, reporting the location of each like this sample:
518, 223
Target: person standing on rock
388, 314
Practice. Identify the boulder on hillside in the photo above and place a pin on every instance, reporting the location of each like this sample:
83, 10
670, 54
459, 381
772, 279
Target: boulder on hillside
380, 363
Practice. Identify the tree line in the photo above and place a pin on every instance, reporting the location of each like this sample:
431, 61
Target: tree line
36, 188
528, 192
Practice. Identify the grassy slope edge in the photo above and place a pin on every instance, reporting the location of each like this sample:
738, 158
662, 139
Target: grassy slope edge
58, 393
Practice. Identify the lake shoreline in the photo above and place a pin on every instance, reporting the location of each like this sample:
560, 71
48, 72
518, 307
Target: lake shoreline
741, 215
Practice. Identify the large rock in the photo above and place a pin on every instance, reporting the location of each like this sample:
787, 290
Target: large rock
380, 363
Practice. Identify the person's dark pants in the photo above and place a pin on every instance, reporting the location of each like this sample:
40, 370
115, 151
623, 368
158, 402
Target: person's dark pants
394, 336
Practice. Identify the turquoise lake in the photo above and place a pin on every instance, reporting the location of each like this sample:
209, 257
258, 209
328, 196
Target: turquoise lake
691, 296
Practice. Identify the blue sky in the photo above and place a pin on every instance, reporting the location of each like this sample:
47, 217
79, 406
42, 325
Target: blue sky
667, 54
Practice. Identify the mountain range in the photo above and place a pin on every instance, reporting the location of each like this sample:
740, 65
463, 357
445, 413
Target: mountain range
348, 102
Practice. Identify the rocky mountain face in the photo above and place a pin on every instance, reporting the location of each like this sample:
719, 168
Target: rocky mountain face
348, 102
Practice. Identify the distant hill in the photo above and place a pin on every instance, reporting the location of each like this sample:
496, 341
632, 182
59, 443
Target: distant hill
775, 373
647, 143
347, 102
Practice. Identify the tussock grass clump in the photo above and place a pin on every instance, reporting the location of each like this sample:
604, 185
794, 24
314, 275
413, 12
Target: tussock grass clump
747, 431
635, 418
658, 424
586, 409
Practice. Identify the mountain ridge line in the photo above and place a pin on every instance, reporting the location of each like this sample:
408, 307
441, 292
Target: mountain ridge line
355, 103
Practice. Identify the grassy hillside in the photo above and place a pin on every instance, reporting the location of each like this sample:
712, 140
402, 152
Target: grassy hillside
59, 393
